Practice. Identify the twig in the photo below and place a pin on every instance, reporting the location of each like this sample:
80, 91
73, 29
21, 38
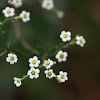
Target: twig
9, 19
3, 53
20, 38
72, 42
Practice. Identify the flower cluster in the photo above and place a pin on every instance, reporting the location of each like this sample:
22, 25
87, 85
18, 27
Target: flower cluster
10, 12
34, 63
61, 56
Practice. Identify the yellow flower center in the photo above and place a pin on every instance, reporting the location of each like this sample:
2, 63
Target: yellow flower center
25, 16
62, 76
47, 62
12, 58
18, 81
49, 73
65, 36
9, 11
17, 1
48, 3
61, 55
81, 40
34, 61
33, 72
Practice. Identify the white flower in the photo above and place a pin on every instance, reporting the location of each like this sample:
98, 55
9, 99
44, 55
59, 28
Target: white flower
34, 62
17, 81
61, 56
10, 1
25, 16
65, 36
47, 4
49, 73
60, 14
12, 58
16, 3
80, 41
63, 76
33, 73
48, 63
9, 12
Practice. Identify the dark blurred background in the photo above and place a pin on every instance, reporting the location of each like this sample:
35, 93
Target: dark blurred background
82, 17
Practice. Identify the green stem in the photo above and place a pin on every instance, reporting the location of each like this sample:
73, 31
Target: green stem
72, 42
40, 66
3, 53
24, 77
0, 23
8, 19
55, 10
57, 79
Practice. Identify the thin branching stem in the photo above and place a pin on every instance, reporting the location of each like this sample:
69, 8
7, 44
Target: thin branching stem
3, 53
22, 41
72, 42
9, 19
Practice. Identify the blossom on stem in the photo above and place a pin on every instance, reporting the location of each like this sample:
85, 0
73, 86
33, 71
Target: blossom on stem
49, 73
33, 73
80, 41
25, 16
12, 58
65, 36
17, 81
61, 56
60, 14
48, 63
9, 12
16, 3
34, 62
47, 4
62, 76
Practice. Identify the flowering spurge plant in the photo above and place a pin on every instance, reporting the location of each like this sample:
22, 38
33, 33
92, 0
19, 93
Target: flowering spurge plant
60, 55
46, 61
